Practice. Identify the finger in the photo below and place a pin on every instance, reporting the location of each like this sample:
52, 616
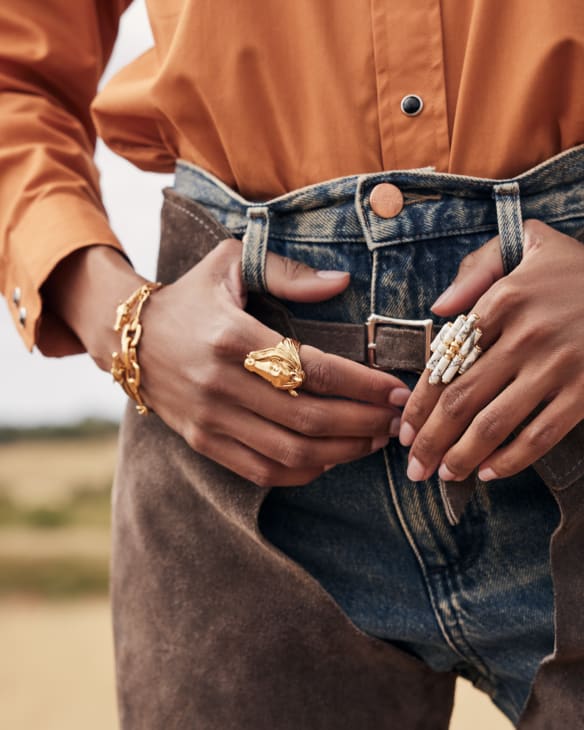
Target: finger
546, 430
426, 395
491, 426
539, 236
297, 282
293, 450
285, 277
331, 375
453, 411
247, 463
326, 374
419, 406
314, 416
476, 274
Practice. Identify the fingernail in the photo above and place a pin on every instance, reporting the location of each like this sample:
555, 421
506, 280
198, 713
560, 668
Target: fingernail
332, 274
445, 474
399, 396
487, 474
416, 470
406, 434
328, 467
394, 426
379, 443
446, 294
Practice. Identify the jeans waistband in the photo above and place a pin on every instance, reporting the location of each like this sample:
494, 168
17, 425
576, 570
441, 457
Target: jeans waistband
434, 204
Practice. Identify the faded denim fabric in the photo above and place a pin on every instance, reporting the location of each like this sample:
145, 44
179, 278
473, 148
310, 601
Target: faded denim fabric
475, 597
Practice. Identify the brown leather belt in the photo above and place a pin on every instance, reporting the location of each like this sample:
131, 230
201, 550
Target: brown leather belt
387, 343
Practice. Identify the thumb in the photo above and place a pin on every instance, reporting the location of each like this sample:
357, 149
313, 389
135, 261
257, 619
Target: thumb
476, 273
297, 282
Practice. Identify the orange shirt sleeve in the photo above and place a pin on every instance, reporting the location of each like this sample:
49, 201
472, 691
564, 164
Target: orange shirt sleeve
52, 54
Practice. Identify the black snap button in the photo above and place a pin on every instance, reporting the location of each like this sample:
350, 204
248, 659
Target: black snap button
411, 105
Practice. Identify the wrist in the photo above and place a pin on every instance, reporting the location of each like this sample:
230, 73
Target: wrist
84, 291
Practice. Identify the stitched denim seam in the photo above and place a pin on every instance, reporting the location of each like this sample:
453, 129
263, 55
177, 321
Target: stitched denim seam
425, 183
469, 537
373, 287
255, 248
486, 681
444, 232
472, 522
449, 588
418, 555
295, 238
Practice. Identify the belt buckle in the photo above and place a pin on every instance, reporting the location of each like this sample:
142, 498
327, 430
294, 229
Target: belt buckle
376, 319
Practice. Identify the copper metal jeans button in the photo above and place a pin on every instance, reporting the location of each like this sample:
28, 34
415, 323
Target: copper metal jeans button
386, 200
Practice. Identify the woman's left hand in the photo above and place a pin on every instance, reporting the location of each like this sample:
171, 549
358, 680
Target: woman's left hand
533, 336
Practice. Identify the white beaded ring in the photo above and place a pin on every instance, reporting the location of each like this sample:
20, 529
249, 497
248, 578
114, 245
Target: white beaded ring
454, 349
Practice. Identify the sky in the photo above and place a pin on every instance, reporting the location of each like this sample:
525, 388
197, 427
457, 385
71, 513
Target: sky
36, 390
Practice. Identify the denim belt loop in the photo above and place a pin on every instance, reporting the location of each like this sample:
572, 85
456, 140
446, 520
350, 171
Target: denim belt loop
255, 248
510, 221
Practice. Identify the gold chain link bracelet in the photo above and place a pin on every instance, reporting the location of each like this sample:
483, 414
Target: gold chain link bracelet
125, 367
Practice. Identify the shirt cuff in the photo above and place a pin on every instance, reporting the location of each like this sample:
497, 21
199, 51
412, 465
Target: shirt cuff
51, 229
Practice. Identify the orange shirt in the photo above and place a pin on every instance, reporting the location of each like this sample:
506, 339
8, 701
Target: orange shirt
268, 95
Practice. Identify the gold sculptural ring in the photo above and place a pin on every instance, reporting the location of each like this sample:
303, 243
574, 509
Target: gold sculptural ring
279, 365
454, 349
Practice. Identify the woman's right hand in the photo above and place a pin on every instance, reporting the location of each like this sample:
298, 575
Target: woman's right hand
195, 338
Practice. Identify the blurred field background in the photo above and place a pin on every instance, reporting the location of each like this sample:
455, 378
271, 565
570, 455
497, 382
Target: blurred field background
56, 663
56, 666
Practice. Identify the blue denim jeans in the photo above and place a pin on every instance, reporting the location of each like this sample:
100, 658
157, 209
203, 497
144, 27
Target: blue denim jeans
474, 597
